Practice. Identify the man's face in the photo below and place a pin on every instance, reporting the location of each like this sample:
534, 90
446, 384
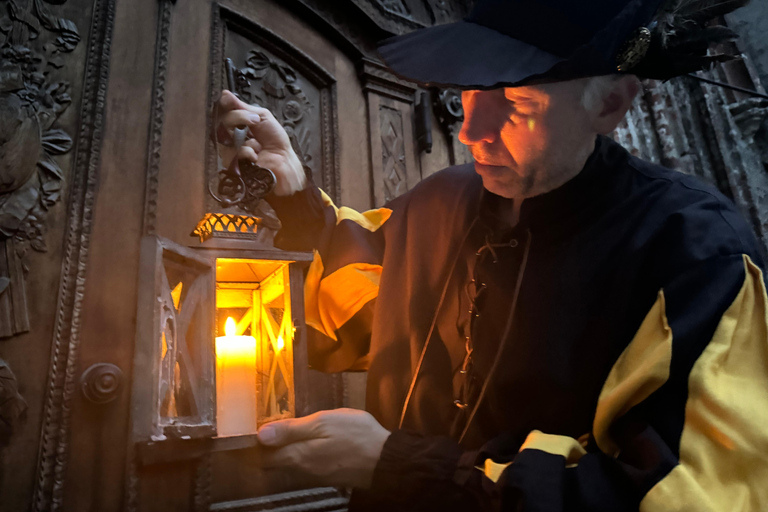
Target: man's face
527, 140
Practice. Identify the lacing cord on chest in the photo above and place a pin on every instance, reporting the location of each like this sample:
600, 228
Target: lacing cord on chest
504, 336
488, 246
434, 322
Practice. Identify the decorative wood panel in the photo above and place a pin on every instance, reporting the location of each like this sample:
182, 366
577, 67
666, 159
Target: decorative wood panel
394, 164
275, 74
32, 99
54, 442
165, 8
12, 405
394, 171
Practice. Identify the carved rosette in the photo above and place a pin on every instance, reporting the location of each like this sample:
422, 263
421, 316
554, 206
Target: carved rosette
101, 383
32, 47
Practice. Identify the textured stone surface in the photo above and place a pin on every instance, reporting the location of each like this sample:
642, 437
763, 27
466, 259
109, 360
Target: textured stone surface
695, 128
751, 23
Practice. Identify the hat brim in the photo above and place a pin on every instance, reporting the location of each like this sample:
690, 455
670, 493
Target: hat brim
465, 55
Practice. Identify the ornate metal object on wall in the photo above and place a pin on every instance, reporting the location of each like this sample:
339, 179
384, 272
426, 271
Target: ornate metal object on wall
450, 115
33, 43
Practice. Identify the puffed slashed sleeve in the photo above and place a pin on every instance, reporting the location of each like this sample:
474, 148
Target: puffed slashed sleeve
342, 283
680, 424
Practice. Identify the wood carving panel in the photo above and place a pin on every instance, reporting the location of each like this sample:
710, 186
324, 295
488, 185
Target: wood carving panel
34, 44
392, 152
394, 164
272, 73
12, 405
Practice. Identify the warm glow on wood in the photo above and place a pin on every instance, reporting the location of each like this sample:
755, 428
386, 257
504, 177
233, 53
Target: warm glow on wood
235, 382
280, 343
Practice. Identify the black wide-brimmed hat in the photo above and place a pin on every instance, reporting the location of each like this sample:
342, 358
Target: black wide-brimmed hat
514, 42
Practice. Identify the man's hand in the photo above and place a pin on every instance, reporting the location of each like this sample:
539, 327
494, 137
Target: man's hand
268, 145
337, 448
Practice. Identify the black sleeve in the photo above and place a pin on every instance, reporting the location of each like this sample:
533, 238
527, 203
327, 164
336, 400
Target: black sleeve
679, 425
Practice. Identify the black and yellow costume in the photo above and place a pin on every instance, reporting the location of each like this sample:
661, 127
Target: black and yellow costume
610, 352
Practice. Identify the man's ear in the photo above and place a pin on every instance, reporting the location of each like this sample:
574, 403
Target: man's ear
616, 104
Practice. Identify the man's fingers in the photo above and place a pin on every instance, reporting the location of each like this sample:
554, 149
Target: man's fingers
229, 101
253, 144
247, 153
239, 118
284, 432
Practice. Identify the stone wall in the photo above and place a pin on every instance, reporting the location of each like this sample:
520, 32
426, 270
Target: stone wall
751, 22
701, 129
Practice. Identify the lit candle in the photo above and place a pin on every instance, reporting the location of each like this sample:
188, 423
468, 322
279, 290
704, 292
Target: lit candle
235, 382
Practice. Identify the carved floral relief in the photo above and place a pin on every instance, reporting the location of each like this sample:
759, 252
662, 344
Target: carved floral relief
266, 81
12, 406
31, 181
277, 87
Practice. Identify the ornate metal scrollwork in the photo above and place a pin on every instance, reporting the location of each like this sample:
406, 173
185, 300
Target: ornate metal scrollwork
101, 383
243, 184
31, 180
450, 114
448, 106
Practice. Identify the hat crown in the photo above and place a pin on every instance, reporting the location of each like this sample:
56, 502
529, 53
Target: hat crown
559, 26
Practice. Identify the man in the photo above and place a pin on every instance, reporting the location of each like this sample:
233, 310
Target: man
559, 326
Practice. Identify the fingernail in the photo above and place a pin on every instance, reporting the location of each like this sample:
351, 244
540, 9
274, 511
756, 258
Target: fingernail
255, 118
267, 435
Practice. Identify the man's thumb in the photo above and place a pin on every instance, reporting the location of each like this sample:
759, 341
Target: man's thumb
280, 433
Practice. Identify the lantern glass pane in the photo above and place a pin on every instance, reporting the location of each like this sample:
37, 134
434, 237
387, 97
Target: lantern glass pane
181, 341
254, 357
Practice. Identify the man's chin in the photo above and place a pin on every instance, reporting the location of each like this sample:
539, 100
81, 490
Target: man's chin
496, 179
500, 188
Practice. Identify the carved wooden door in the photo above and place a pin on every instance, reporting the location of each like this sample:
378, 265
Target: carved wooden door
105, 140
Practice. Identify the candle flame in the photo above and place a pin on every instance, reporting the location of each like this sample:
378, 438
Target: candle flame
280, 343
230, 328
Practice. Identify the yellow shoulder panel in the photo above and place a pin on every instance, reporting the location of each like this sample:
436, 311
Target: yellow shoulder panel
639, 371
724, 445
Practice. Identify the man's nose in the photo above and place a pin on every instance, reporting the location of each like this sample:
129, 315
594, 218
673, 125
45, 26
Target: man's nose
481, 113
